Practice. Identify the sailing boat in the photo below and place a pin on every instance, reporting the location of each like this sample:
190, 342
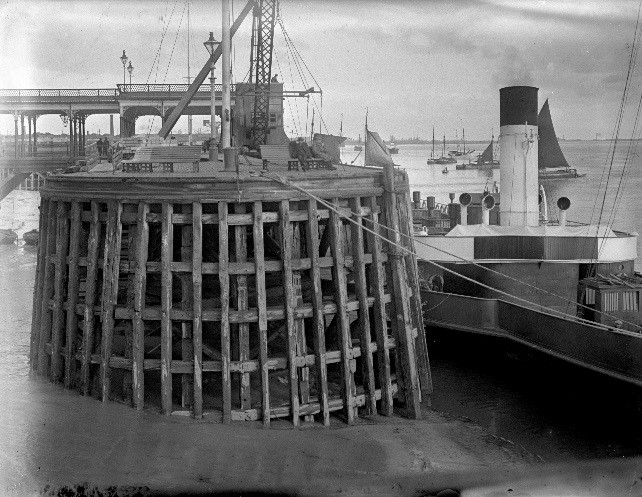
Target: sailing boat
358, 147
461, 154
432, 152
376, 152
487, 158
551, 161
443, 159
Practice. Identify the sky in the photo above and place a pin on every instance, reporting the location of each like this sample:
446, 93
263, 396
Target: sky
412, 64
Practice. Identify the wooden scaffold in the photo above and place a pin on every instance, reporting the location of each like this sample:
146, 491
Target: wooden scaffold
232, 297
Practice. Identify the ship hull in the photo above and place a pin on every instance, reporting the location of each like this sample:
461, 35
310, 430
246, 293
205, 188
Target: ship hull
615, 353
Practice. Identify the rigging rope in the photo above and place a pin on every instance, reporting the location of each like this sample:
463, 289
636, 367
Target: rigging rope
341, 213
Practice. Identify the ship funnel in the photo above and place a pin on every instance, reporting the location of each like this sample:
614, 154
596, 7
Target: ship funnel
563, 203
518, 142
488, 203
464, 201
416, 199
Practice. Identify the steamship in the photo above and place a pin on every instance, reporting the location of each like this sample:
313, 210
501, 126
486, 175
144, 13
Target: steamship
569, 291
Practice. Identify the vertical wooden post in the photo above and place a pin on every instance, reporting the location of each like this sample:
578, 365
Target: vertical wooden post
187, 302
111, 267
377, 278
224, 279
303, 372
197, 309
341, 301
167, 249
359, 269
39, 283
72, 294
286, 255
140, 287
47, 291
130, 249
404, 329
421, 345
90, 297
261, 298
240, 255
318, 323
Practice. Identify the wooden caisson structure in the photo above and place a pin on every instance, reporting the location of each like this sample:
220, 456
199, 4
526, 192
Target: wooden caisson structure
235, 297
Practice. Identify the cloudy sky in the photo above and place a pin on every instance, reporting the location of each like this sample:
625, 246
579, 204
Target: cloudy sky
414, 64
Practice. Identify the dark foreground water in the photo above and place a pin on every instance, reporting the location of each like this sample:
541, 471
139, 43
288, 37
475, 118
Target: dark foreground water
556, 410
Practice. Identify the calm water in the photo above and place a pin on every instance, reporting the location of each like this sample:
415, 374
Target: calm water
554, 410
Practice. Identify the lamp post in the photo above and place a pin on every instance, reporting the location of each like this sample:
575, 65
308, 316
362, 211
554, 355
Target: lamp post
130, 70
211, 45
123, 59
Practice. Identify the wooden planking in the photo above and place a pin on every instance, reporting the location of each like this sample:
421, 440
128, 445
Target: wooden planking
421, 345
341, 299
261, 297
405, 350
138, 325
240, 255
95, 228
110, 293
167, 249
197, 307
318, 323
288, 290
39, 283
47, 291
224, 279
364, 310
379, 310
72, 295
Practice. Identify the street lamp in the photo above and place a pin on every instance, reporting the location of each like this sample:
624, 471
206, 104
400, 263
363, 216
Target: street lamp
123, 59
130, 70
211, 45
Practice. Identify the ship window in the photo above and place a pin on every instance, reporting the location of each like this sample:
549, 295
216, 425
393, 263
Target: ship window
272, 118
630, 301
589, 296
610, 301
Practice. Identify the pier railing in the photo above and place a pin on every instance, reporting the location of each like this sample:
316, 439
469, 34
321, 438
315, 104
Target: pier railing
168, 89
63, 94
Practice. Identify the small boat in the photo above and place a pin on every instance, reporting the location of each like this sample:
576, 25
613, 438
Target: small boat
486, 160
31, 237
393, 149
8, 237
445, 170
551, 161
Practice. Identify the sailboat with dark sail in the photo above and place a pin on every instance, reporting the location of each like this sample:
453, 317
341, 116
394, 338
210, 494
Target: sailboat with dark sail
486, 160
551, 160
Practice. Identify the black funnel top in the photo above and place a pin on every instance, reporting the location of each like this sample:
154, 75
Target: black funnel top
518, 105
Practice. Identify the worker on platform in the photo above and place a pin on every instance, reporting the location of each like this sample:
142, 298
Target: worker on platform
275, 79
319, 152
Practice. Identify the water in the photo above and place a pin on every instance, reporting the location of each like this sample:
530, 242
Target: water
585, 193
554, 410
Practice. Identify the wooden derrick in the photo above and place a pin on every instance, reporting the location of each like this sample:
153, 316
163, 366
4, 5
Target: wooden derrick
274, 304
